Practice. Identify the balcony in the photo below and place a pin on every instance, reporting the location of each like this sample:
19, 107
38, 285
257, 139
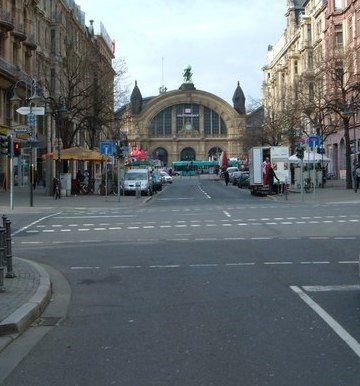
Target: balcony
19, 33
29, 43
6, 23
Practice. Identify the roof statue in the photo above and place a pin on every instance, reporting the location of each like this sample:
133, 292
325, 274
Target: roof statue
187, 83
187, 74
136, 99
239, 100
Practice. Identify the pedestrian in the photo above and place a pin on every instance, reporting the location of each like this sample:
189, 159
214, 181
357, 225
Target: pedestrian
357, 177
272, 176
265, 169
226, 177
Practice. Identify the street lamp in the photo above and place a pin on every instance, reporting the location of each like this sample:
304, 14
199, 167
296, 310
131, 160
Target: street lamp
31, 97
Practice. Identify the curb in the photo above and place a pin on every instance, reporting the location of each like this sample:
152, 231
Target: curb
19, 320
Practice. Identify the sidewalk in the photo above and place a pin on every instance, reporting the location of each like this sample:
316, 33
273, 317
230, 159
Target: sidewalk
27, 295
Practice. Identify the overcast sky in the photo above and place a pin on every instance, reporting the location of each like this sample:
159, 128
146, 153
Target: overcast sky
224, 41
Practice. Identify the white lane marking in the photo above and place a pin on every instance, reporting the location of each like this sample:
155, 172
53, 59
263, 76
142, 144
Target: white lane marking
48, 230
278, 262
165, 226
315, 262
83, 229
132, 227
345, 238
32, 242
65, 230
329, 320
102, 216
238, 264
328, 288
203, 265
148, 227
33, 231
348, 262
227, 214
100, 229
114, 228
206, 239
77, 268
34, 223
234, 238
125, 266
165, 266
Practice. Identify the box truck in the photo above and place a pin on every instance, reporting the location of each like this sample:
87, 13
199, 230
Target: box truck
261, 158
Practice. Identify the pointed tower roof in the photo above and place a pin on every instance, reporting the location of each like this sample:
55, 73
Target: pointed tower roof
239, 100
136, 99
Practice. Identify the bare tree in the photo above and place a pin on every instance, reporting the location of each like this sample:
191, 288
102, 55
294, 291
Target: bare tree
342, 94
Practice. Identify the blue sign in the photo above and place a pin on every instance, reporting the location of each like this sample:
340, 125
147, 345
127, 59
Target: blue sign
106, 148
314, 141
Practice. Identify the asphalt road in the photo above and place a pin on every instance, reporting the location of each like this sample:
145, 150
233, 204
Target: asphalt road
204, 285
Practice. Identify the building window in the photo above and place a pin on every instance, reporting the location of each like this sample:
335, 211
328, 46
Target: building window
160, 125
187, 117
296, 68
339, 35
214, 126
52, 41
339, 5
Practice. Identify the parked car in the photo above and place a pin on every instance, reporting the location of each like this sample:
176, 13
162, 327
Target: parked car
156, 181
165, 177
244, 180
138, 178
234, 177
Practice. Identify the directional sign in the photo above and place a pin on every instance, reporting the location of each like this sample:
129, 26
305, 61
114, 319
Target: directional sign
314, 141
107, 148
21, 129
25, 110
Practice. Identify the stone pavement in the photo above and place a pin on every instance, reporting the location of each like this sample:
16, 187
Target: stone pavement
27, 294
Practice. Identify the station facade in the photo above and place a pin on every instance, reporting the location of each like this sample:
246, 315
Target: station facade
185, 124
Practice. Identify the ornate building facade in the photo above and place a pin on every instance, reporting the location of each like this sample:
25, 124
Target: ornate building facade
184, 124
316, 30
34, 50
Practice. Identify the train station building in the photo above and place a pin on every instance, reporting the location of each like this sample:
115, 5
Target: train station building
185, 124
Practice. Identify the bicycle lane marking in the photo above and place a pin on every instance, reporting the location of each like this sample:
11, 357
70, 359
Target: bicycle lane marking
329, 320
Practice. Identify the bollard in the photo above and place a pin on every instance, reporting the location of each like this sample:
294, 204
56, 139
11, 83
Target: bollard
2, 258
9, 266
138, 190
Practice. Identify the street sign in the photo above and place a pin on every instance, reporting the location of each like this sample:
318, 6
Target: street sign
25, 110
21, 129
106, 148
314, 141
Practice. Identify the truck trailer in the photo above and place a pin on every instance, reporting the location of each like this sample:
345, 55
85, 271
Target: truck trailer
261, 158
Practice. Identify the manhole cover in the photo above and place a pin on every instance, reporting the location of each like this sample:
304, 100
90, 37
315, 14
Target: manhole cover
47, 321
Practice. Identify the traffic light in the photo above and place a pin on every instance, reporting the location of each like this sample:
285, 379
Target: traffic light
5, 145
300, 152
17, 149
119, 153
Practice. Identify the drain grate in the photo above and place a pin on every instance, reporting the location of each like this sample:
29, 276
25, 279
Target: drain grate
47, 321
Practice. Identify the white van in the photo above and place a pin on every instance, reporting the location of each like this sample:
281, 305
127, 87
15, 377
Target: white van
138, 177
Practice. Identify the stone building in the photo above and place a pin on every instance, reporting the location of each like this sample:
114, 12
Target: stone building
315, 31
184, 124
34, 50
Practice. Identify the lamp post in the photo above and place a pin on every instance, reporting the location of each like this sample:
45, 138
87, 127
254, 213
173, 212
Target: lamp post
31, 97
59, 111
